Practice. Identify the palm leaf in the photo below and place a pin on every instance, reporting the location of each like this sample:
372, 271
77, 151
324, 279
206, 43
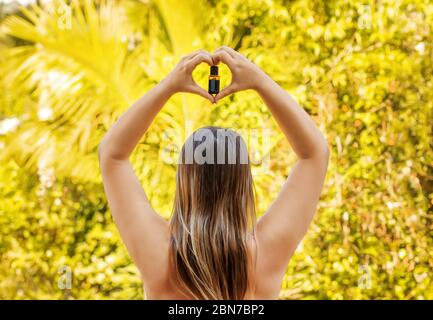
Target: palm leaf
87, 74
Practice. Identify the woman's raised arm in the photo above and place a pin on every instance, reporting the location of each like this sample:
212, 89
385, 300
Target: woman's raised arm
143, 231
285, 223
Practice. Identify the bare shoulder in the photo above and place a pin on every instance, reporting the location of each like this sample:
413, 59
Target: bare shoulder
287, 220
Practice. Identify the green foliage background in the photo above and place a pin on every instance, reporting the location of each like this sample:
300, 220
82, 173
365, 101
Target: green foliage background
362, 69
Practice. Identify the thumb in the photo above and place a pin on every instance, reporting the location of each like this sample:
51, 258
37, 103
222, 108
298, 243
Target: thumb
225, 92
196, 89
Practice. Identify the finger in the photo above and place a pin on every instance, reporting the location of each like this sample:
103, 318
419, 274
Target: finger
199, 58
195, 53
232, 52
223, 56
192, 54
228, 50
225, 92
195, 88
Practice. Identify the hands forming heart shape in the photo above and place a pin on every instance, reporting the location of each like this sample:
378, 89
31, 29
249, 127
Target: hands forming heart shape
245, 74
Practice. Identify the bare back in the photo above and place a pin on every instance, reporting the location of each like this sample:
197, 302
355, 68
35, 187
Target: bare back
167, 289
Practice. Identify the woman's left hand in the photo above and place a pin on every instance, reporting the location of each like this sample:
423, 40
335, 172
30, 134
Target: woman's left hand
180, 79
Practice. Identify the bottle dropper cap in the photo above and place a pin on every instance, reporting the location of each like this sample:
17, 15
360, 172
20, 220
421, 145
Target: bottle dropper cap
214, 70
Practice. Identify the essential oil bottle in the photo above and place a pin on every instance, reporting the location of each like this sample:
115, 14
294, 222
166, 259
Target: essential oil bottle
214, 80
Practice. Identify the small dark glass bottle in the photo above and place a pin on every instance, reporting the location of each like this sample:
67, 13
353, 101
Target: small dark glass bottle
214, 80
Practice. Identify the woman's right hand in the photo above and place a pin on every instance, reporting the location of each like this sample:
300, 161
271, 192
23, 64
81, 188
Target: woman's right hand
245, 74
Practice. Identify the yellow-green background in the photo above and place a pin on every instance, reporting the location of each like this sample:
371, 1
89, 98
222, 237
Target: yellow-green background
362, 70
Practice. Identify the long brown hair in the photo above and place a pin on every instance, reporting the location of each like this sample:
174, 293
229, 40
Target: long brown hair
212, 214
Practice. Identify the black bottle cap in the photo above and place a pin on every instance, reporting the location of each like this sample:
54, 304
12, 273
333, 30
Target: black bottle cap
214, 70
